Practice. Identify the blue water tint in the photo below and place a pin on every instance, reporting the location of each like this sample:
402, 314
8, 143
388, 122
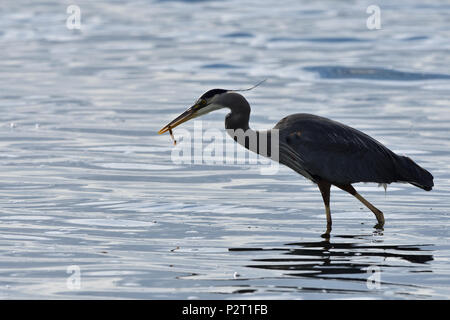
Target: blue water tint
416, 38
338, 39
372, 74
86, 180
219, 66
239, 35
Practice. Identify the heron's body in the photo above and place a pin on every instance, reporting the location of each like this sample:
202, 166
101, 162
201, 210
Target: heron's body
332, 151
325, 151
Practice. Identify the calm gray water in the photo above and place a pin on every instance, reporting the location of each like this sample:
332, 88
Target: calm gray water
88, 190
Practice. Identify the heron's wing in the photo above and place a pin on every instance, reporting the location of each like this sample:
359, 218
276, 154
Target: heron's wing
329, 150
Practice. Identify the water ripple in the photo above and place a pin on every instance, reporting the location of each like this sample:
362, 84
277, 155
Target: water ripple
337, 72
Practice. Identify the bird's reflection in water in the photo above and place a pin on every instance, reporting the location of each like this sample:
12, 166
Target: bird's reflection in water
341, 258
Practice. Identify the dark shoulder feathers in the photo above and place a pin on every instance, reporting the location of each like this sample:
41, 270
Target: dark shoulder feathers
340, 154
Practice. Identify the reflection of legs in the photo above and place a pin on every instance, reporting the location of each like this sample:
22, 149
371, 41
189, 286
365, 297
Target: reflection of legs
324, 188
378, 214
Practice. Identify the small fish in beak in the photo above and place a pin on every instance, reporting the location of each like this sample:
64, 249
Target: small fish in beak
185, 116
171, 135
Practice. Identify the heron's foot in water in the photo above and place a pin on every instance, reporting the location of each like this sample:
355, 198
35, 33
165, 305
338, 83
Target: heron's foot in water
380, 218
379, 226
327, 233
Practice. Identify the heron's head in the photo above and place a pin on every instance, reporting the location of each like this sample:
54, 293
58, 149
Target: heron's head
211, 100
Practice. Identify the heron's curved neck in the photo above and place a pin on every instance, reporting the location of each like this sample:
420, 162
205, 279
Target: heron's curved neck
238, 118
236, 123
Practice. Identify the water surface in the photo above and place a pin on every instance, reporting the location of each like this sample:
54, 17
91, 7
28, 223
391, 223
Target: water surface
87, 182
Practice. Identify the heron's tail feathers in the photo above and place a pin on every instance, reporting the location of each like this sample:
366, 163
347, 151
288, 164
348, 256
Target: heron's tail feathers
411, 172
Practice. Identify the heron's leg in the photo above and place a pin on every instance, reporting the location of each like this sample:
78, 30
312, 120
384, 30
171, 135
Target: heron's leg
378, 214
324, 187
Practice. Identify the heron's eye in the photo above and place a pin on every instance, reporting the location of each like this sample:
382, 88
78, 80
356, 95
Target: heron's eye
200, 103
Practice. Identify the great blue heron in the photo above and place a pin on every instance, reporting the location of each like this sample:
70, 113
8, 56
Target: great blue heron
325, 151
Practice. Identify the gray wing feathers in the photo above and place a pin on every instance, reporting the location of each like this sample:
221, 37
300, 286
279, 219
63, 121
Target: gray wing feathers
333, 151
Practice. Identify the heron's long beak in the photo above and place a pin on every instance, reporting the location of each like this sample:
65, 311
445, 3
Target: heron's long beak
185, 116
